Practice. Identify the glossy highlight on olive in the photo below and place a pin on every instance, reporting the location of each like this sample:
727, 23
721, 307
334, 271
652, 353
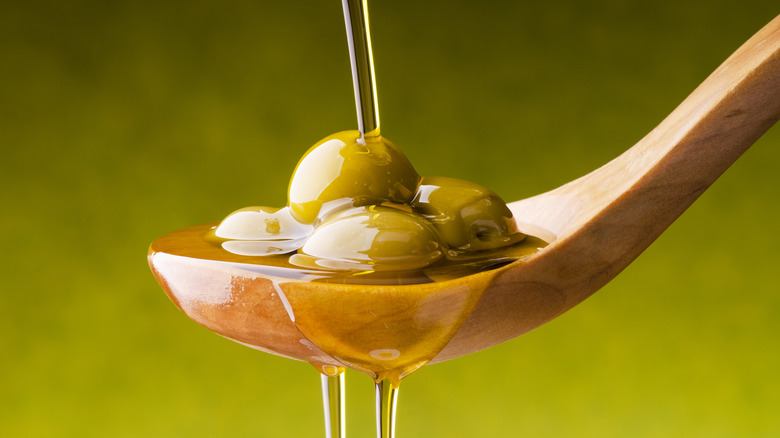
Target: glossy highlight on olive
348, 168
374, 238
356, 203
468, 216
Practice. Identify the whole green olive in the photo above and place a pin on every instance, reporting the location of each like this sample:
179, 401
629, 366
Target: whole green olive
469, 217
348, 169
374, 238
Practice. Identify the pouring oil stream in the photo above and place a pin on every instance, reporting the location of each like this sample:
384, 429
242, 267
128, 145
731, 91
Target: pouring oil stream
364, 83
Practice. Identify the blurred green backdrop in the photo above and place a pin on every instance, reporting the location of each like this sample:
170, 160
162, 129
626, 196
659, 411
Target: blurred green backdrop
123, 120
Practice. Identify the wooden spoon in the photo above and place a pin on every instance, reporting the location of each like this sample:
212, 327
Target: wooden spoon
597, 224
605, 219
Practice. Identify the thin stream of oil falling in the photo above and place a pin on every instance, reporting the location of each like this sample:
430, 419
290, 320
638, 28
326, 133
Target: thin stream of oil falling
333, 403
362, 61
386, 399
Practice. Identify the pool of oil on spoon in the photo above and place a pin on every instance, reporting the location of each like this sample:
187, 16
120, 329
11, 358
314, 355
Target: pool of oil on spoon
384, 324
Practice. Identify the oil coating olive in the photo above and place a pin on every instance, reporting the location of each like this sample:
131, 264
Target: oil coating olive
469, 217
262, 231
261, 223
347, 169
375, 238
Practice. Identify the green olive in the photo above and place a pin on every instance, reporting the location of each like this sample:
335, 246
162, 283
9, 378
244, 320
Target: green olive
262, 231
374, 238
347, 169
261, 223
469, 217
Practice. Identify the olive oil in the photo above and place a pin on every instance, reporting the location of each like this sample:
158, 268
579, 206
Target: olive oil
199, 242
362, 62
384, 324
358, 270
386, 401
333, 404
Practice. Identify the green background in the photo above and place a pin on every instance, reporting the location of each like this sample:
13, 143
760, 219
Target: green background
122, 121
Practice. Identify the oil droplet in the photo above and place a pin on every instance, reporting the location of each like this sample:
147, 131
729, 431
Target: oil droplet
385, 354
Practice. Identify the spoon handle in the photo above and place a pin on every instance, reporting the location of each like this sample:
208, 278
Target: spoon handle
601, 222
684, 154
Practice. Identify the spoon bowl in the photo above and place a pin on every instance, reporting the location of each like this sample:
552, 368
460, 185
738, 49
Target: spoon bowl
596, 226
